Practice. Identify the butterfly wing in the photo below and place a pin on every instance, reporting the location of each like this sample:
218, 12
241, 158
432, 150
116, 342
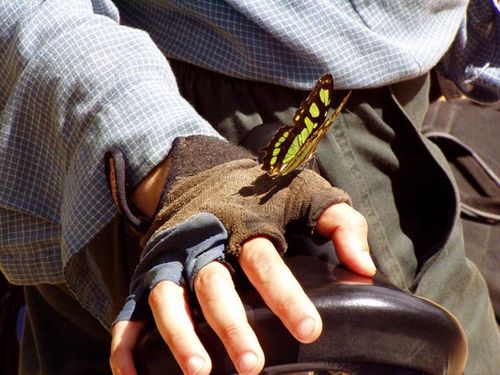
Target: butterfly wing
294, 144
303, 148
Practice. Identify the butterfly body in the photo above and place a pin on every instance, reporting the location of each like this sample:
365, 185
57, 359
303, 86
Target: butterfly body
295, 144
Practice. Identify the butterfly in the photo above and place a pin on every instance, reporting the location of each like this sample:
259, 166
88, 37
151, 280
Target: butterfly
295, 144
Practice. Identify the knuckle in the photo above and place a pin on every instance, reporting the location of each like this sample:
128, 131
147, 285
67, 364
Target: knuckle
210, 277
262, 266
156, 296
358, 220
174, 335
287, 304
114, 360
231, 331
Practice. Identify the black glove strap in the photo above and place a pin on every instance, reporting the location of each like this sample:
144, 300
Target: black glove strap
115, 163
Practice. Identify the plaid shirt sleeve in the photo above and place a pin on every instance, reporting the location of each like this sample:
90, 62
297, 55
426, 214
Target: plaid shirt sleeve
74, 84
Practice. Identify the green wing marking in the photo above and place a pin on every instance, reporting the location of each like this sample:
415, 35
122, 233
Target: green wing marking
295, 144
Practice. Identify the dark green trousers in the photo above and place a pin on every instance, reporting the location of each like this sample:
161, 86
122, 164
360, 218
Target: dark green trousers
399, 180
396, 178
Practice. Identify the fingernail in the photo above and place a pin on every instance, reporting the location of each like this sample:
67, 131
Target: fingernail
194, 365
306, 328
247, 362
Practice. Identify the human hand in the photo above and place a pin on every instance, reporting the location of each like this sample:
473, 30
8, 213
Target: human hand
256, 237
224, 311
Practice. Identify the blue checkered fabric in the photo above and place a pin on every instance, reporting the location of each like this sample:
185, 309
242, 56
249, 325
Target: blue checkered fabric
362, 43
473, 61
74, 83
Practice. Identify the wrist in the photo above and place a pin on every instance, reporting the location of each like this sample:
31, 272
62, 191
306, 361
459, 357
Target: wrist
188, 156
146, 195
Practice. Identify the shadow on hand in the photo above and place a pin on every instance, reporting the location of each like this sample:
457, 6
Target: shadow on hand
267, 186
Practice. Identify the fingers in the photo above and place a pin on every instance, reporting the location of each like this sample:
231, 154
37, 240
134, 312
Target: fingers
170, 309
224, 312
279, 289
124, 338
349, 232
